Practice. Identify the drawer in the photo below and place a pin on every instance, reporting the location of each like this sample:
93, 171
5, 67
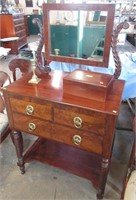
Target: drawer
32, 125
18, 17
77, 138
19, 27
81, 119
18, 21
21, 33
33, 109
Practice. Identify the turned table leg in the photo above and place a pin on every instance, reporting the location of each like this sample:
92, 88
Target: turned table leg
18, 142
103, 178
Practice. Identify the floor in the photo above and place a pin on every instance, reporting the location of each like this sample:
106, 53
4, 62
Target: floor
43, 182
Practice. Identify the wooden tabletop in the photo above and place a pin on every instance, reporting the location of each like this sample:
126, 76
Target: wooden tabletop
50, 88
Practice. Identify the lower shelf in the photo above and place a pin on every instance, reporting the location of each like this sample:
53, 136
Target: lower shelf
68, 158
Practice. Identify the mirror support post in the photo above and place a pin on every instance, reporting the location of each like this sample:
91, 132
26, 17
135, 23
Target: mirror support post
43, 67
116, 32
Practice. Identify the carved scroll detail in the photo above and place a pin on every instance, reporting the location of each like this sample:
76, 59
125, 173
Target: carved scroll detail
116, 32
43, 67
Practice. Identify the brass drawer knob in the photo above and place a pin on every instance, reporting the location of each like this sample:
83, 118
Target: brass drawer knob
77, 122
77, 139
29, 109
31, 126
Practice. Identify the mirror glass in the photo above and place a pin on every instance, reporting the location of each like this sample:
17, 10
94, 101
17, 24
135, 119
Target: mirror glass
78, 35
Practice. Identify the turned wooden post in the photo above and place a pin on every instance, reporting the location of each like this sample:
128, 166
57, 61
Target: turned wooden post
18, 141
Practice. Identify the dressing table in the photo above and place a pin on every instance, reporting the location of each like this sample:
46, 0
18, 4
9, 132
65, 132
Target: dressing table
75, 130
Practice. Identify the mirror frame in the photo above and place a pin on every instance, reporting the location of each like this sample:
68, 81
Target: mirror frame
110, 8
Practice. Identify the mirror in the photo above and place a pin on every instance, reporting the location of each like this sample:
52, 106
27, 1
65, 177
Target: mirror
78, 33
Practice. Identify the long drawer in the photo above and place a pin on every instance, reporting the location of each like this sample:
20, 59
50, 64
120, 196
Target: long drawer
71, 136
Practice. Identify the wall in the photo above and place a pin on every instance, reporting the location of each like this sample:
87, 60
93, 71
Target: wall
29, 10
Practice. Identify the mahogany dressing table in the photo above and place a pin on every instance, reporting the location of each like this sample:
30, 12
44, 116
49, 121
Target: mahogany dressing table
75, 129
81, 147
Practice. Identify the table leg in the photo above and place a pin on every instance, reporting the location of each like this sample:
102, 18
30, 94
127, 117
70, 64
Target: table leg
103, 178
18, 142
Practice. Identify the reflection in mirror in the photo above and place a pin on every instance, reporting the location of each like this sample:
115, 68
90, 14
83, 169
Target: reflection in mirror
78, 33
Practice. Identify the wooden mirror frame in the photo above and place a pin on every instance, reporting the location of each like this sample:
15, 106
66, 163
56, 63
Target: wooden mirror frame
110, 8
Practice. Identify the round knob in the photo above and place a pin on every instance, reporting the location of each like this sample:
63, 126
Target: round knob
77, 139
29, 110
77, 122
31, 126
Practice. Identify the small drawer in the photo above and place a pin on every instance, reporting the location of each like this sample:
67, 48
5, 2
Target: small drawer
32, 125
19, 27
32, 109
81, 119
18, 17
20, 33
18, 21
77, 138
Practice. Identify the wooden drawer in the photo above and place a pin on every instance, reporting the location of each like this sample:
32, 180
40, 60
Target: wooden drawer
19, 27
32, 125
30, 108
18, 17
18, 21
20, 33
90, 120
70, 136
78, 138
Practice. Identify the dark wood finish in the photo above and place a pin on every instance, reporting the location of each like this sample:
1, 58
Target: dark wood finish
116, 31
18, 142
52, 120
2, 107
25, 66
132, 160
43, 67
110, 8
7, 130
22, 64
13, 26
44, 33
26, 24
86, 80
77, 161
4, 77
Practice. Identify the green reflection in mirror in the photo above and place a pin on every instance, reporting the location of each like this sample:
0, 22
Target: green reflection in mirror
79, 34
